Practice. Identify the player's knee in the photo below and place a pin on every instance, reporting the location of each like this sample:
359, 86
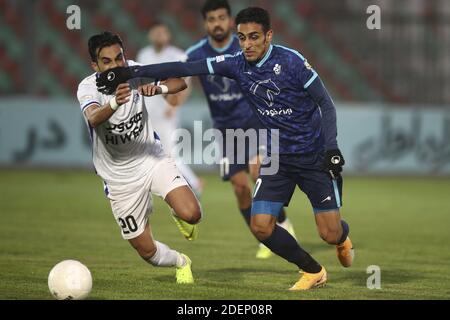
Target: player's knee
330, 236
191, 212
196, 215
242, 191
261, 231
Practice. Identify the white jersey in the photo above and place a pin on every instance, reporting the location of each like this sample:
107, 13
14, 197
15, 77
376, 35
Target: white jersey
148, 55
124, 145
157, 107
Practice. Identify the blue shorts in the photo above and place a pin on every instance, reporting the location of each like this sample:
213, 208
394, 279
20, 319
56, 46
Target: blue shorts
272, 192
236, 156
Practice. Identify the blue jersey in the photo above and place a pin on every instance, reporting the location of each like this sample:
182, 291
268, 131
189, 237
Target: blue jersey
276, 88
227, 103
285, 93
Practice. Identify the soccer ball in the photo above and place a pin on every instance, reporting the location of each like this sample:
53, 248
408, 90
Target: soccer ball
70, 280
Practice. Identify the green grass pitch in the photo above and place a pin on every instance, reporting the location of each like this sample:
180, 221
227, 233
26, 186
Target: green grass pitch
401, 225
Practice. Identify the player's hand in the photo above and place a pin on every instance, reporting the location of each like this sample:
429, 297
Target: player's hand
334, 161
108, 81
149, 90
123, 93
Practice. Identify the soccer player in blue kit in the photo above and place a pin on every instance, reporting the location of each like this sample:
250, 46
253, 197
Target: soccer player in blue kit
230, 110
287, 95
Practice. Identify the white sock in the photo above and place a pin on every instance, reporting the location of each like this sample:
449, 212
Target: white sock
165, 257
181, 261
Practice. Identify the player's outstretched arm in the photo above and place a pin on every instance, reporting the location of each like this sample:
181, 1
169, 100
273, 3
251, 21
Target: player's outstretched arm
169, 86
108, 81
96, 114
174, 85
178, 99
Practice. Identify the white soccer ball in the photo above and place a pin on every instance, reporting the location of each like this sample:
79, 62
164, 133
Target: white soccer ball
70, 280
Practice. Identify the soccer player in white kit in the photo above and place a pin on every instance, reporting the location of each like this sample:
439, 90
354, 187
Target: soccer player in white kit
163, 110
129, 157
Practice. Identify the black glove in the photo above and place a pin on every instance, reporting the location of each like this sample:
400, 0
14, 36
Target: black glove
334, 160
108, 81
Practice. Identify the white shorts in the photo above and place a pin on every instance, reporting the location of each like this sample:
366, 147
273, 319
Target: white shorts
132, 203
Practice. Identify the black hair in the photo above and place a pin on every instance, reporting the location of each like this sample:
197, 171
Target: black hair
256, 15
211, 5
158, 23
99, 41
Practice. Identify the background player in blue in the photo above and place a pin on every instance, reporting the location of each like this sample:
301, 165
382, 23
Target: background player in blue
288, 95
229, 108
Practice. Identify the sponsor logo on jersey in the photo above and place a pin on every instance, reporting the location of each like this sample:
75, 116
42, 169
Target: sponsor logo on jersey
266, 90
125, 131
275, 112
222, 83
277, 69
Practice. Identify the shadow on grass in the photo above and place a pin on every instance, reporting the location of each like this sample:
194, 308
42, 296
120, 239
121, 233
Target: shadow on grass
225, 275
222, 275
388, 277
314, 247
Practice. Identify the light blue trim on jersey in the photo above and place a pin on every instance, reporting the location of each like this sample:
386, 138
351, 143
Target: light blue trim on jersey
316, 211
227, 55
266, 56
211, 59
298, 54
227, 46
293, 51
268, 207
314, 76
336, 193
210, 67
233, 55
196, 46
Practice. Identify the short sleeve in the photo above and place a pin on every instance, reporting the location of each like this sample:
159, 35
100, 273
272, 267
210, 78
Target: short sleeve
307, 74
87, 95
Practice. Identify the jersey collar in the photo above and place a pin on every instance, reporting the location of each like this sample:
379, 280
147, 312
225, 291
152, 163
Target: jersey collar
221, 50
266, 56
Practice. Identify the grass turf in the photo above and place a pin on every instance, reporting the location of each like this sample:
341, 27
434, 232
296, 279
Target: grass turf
399, 224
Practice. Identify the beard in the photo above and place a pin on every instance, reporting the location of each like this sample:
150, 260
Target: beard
219, 37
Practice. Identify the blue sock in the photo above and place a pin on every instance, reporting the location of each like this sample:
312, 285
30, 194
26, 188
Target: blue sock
247, 213
281, 216
285, 245
345, 231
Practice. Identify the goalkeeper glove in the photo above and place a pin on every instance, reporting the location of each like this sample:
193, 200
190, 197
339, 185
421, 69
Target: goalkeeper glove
334, 160
108, 80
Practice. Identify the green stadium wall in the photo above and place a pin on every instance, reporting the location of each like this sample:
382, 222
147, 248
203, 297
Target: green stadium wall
375, 139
